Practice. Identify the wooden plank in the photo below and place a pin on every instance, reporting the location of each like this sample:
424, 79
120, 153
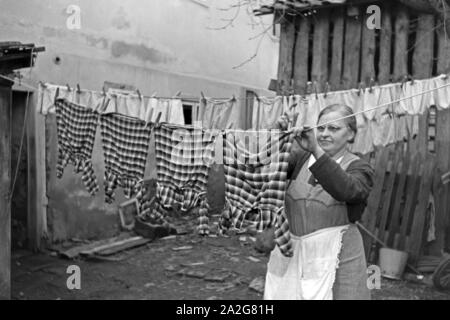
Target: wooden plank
110, 246
442, 198
301, 55
373, 203
423, 50
443, 63
399, 196
401, 44
422, 138
319, 70
124, 246
337, 49
367, 53
384, 65
352, 48
410, 200
285, 65
388, 195
5, 185
417, 230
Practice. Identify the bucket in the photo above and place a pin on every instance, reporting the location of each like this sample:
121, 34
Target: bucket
392, 263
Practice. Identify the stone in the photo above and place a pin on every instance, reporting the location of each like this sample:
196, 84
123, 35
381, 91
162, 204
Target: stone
257, 285
220, 276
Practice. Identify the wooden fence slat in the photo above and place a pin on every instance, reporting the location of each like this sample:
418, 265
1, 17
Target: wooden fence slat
443, 63
394, 225
352, 52
285, 66
367, 54
401, 44
387, 195
319, 70
384, 65
373, 203
5, 185
301, 55
337, 49
410, 200
443, 164
423, 50
417, 230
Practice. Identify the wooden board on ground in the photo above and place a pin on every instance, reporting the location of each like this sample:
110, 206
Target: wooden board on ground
115, 246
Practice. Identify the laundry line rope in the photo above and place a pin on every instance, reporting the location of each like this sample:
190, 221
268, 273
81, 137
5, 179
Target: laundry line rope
326, 123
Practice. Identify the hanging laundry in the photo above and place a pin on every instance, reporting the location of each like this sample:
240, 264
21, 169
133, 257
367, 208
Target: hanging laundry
128, 105
441, 97
183, 158
418, 104
266, 112
255, 182
383, 126
76, 127
125, 146
47, 95
218, 114
171, 110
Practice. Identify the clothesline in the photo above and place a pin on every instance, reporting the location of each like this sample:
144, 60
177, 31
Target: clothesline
380, 106
309, 128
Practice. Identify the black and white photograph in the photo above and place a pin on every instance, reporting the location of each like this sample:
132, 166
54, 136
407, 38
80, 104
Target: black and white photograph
225, 153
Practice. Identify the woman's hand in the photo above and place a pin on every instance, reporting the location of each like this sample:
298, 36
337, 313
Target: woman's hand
306, 138
282, 123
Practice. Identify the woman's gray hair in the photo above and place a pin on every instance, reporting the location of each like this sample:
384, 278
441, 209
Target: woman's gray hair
346, 111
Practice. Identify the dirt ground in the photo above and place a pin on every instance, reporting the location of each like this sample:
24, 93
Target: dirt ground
186, 267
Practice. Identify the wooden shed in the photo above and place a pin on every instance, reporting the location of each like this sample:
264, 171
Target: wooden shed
13, 56
338, 44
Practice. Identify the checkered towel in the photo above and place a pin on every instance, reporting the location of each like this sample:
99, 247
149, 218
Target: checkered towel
183, 157
255, 183
76, 126
125, 148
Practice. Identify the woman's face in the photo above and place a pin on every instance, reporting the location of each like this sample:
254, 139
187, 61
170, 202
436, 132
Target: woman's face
333, 137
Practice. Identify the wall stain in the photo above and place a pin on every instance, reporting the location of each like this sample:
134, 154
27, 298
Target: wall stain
121, 21
120, 49
101, 43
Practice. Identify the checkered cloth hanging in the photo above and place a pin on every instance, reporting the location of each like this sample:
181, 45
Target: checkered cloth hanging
183, 158
76, 127
125, 148
255, 183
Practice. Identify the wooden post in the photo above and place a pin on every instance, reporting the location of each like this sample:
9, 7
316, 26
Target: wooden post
401, 43
319, 70
285, 65
352, 48
367, 53
384, 66
5, 186
301, 55
423, 68
337, 49
443, 63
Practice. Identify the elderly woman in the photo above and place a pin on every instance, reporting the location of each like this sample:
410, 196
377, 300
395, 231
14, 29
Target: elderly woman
326, 194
